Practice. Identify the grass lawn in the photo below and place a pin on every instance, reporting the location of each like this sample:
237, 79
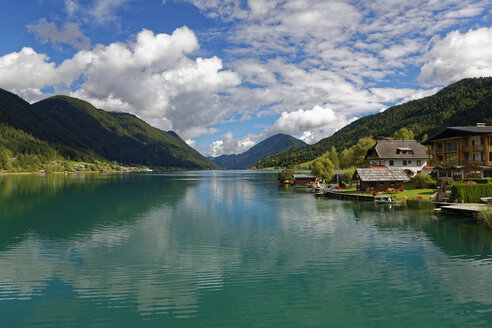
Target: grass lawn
413, 194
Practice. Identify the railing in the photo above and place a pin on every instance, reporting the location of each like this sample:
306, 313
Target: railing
477, 147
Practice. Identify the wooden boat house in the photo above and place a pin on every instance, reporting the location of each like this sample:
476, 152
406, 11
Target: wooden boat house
304, 179
380, 179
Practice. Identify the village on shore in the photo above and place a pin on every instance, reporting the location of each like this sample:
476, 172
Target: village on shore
451, 170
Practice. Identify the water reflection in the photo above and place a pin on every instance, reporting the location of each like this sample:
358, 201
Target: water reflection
230, 249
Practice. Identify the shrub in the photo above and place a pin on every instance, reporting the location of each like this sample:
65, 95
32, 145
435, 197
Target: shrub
485, 217
423, 180
284, 175
471, 193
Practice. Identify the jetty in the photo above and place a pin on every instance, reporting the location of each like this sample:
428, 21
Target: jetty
463, 208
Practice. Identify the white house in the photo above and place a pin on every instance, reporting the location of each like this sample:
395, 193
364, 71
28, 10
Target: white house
399, 154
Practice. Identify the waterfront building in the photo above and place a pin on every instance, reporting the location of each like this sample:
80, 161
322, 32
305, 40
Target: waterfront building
380, 179
408, 155
462, 151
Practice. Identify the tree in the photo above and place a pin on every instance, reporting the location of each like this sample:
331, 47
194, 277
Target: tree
287, 174
333, 156
422, 179
323, 168
403, 134
347, 175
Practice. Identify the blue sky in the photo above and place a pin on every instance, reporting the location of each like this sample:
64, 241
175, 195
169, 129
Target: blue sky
227, 74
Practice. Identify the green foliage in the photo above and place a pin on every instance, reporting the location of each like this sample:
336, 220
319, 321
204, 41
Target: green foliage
285, 175
485, 217
403, 134
462, 103
445, 181
354, 156
347, 175
68, 128
471, 193
333, 156
423, 180
323, 168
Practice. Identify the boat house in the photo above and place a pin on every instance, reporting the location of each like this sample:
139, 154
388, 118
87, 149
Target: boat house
380, 179
402, 154
304, 179
462, 151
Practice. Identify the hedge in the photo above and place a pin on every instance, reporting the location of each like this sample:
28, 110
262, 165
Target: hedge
471, 193
479, 180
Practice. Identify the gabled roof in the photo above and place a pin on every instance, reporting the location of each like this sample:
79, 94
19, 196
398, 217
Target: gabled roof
304, 176
387, 149
459, 131
380, 174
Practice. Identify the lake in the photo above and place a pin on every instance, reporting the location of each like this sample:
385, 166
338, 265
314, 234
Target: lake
230, 249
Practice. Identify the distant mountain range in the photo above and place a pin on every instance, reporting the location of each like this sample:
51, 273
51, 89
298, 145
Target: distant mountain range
268, 147
463, 103
70, 128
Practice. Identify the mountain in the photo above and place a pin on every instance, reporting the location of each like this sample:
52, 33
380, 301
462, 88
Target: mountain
74, 129
462, 103
268, 147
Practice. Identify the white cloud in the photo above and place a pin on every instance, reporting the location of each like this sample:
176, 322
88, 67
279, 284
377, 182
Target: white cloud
314, 124
228, 145
458, 55
70, 33
71, 7
153, 77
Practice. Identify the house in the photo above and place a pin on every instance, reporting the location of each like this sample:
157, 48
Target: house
380, 179
304, 179
400, 154
462, 151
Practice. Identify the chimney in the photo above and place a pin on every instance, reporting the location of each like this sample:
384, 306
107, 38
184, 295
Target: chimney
481, 125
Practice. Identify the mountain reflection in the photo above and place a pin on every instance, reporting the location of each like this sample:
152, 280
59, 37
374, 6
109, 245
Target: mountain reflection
179, 246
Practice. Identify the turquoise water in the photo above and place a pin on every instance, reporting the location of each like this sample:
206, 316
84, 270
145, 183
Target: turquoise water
230, 249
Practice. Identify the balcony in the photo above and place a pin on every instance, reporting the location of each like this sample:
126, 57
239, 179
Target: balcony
474, 162
477, 147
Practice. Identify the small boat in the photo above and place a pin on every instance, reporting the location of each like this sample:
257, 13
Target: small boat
486, 199
386, 200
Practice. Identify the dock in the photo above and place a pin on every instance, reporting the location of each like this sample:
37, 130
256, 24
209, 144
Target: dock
463, 208
341, 195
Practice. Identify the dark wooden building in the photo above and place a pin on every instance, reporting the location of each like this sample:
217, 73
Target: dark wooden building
304, 179
380, 179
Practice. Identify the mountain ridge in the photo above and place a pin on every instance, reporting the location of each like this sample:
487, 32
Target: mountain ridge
75, 129
268, 147
462, 103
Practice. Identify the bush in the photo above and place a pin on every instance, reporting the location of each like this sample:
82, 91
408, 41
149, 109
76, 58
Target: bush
421, 180
445, 181
471, 193
478, 180
284, 175
485, 217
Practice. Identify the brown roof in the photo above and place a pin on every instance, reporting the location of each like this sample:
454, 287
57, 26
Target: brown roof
458, 132
380, 174
389, 149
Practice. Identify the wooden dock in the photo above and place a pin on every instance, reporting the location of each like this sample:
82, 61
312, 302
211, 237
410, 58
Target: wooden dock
463, 208
341, 195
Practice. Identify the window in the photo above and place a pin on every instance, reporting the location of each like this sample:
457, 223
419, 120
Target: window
404, 162
392, 163
419, 162
451, 147
381, 184
409, 162
392, 184
490, 156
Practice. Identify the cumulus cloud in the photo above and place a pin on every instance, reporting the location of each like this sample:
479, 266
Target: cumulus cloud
313, 124
458, 55
229, 145
153, 77
70, 33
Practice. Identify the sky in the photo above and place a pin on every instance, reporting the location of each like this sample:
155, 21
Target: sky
226, 74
